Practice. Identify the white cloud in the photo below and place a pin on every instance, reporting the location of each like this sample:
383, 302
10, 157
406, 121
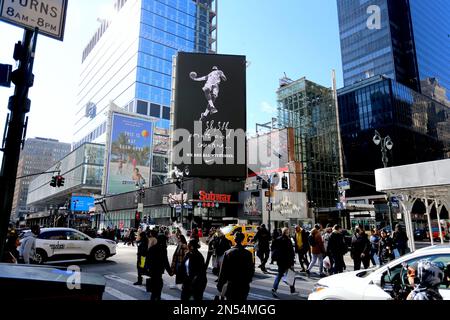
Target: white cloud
267, 108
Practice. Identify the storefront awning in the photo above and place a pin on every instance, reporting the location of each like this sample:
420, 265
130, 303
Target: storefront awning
427, 181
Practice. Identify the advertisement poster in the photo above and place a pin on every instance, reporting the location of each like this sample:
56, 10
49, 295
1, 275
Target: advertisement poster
82, 203
210, 115
129, 158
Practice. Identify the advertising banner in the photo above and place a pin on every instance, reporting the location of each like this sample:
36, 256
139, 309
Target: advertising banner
210, 115
81, 203
129, 157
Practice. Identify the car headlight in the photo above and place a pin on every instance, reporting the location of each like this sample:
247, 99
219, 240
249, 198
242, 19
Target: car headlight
319, 287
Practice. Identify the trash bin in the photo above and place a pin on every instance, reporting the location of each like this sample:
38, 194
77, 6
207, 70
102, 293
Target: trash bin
32, 282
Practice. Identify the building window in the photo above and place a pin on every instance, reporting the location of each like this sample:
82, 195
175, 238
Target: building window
166, 113
155, 110
142, 107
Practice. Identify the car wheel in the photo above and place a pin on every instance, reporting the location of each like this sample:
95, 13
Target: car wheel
40, 256
100, 254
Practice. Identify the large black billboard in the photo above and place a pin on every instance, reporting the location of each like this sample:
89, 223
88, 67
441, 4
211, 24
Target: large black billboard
210, 115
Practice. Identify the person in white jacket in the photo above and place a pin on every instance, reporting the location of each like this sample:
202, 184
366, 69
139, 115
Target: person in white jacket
28, 245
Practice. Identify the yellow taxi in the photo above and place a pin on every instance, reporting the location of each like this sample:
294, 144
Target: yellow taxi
249, 232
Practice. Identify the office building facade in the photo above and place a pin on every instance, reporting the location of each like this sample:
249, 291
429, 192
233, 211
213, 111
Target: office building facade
309, 108
36, 157
405, 40
83, 172
128, 63
418, 126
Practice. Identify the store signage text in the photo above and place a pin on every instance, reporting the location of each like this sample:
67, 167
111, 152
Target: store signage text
214, 197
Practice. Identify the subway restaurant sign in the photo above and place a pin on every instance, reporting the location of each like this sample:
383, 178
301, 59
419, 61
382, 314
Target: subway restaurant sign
47, 15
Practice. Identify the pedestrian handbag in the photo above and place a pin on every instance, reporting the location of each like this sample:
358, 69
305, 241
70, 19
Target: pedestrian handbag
289, 277
142, 262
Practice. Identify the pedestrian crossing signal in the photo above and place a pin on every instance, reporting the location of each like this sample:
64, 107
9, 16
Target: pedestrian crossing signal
284, 183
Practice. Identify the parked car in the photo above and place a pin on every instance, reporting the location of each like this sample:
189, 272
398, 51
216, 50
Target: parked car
379, 283
68, 244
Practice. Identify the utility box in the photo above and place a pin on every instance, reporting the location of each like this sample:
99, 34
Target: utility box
33, 282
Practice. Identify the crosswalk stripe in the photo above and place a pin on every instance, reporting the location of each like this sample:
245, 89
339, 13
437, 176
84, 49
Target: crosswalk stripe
129, 283
117, 294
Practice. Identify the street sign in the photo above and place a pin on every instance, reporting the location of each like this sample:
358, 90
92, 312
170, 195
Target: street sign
178, 209
343, 184
49, 16
140, 207
269, 206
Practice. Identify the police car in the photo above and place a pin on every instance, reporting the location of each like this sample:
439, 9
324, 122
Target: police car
70, 244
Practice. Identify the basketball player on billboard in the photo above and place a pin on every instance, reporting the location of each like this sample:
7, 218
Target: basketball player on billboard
211, 89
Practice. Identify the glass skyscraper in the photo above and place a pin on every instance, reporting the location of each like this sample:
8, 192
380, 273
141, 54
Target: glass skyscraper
410, 45
309, 108
129, 62
418, 126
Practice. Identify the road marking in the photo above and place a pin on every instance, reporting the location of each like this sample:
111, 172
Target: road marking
117, 294
141, 288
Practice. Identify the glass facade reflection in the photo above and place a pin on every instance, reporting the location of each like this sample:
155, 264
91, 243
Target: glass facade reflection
309, 109
83, 173
431, 28
129, 60
410, 45
418, 126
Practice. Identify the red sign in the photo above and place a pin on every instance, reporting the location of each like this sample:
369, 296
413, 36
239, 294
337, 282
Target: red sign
213, 197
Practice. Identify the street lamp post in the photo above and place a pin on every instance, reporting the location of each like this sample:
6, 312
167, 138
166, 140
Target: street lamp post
386, 145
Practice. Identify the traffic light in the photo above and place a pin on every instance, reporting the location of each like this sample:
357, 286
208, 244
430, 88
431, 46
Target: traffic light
60, 181
284, 183
53, 182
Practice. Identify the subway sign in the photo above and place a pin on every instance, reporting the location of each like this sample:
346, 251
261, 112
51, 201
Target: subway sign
49, 16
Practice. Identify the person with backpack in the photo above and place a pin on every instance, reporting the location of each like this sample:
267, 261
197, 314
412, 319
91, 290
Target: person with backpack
317, 249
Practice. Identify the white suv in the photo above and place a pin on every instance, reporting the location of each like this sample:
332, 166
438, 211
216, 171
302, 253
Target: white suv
381, 283
69, 244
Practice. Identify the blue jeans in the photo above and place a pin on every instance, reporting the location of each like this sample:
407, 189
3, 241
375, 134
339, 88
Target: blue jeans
280, 275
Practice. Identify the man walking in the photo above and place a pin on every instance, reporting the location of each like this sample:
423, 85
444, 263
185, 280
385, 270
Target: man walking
262, 239
317, 249
28, 246
284, 255
301, 246
337, 249
236, 272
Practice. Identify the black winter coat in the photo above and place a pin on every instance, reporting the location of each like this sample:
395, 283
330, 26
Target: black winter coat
157, 261
196, 275
283, 252
222, 245
336, 245
263, 239
237, 269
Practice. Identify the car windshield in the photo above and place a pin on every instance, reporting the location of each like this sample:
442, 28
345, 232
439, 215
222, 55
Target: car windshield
368, 272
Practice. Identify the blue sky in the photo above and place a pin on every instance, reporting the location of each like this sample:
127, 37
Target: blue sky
298, 37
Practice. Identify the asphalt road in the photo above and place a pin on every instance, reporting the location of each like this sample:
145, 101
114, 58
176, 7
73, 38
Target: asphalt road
120, 274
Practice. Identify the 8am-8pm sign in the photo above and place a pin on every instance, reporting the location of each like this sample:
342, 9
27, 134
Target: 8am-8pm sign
47, 15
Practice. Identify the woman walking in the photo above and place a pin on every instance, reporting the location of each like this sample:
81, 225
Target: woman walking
178, 258
193, 274
142, 249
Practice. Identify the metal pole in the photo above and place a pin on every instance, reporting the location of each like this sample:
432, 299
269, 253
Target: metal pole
19, 106
338, 125
427, 207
